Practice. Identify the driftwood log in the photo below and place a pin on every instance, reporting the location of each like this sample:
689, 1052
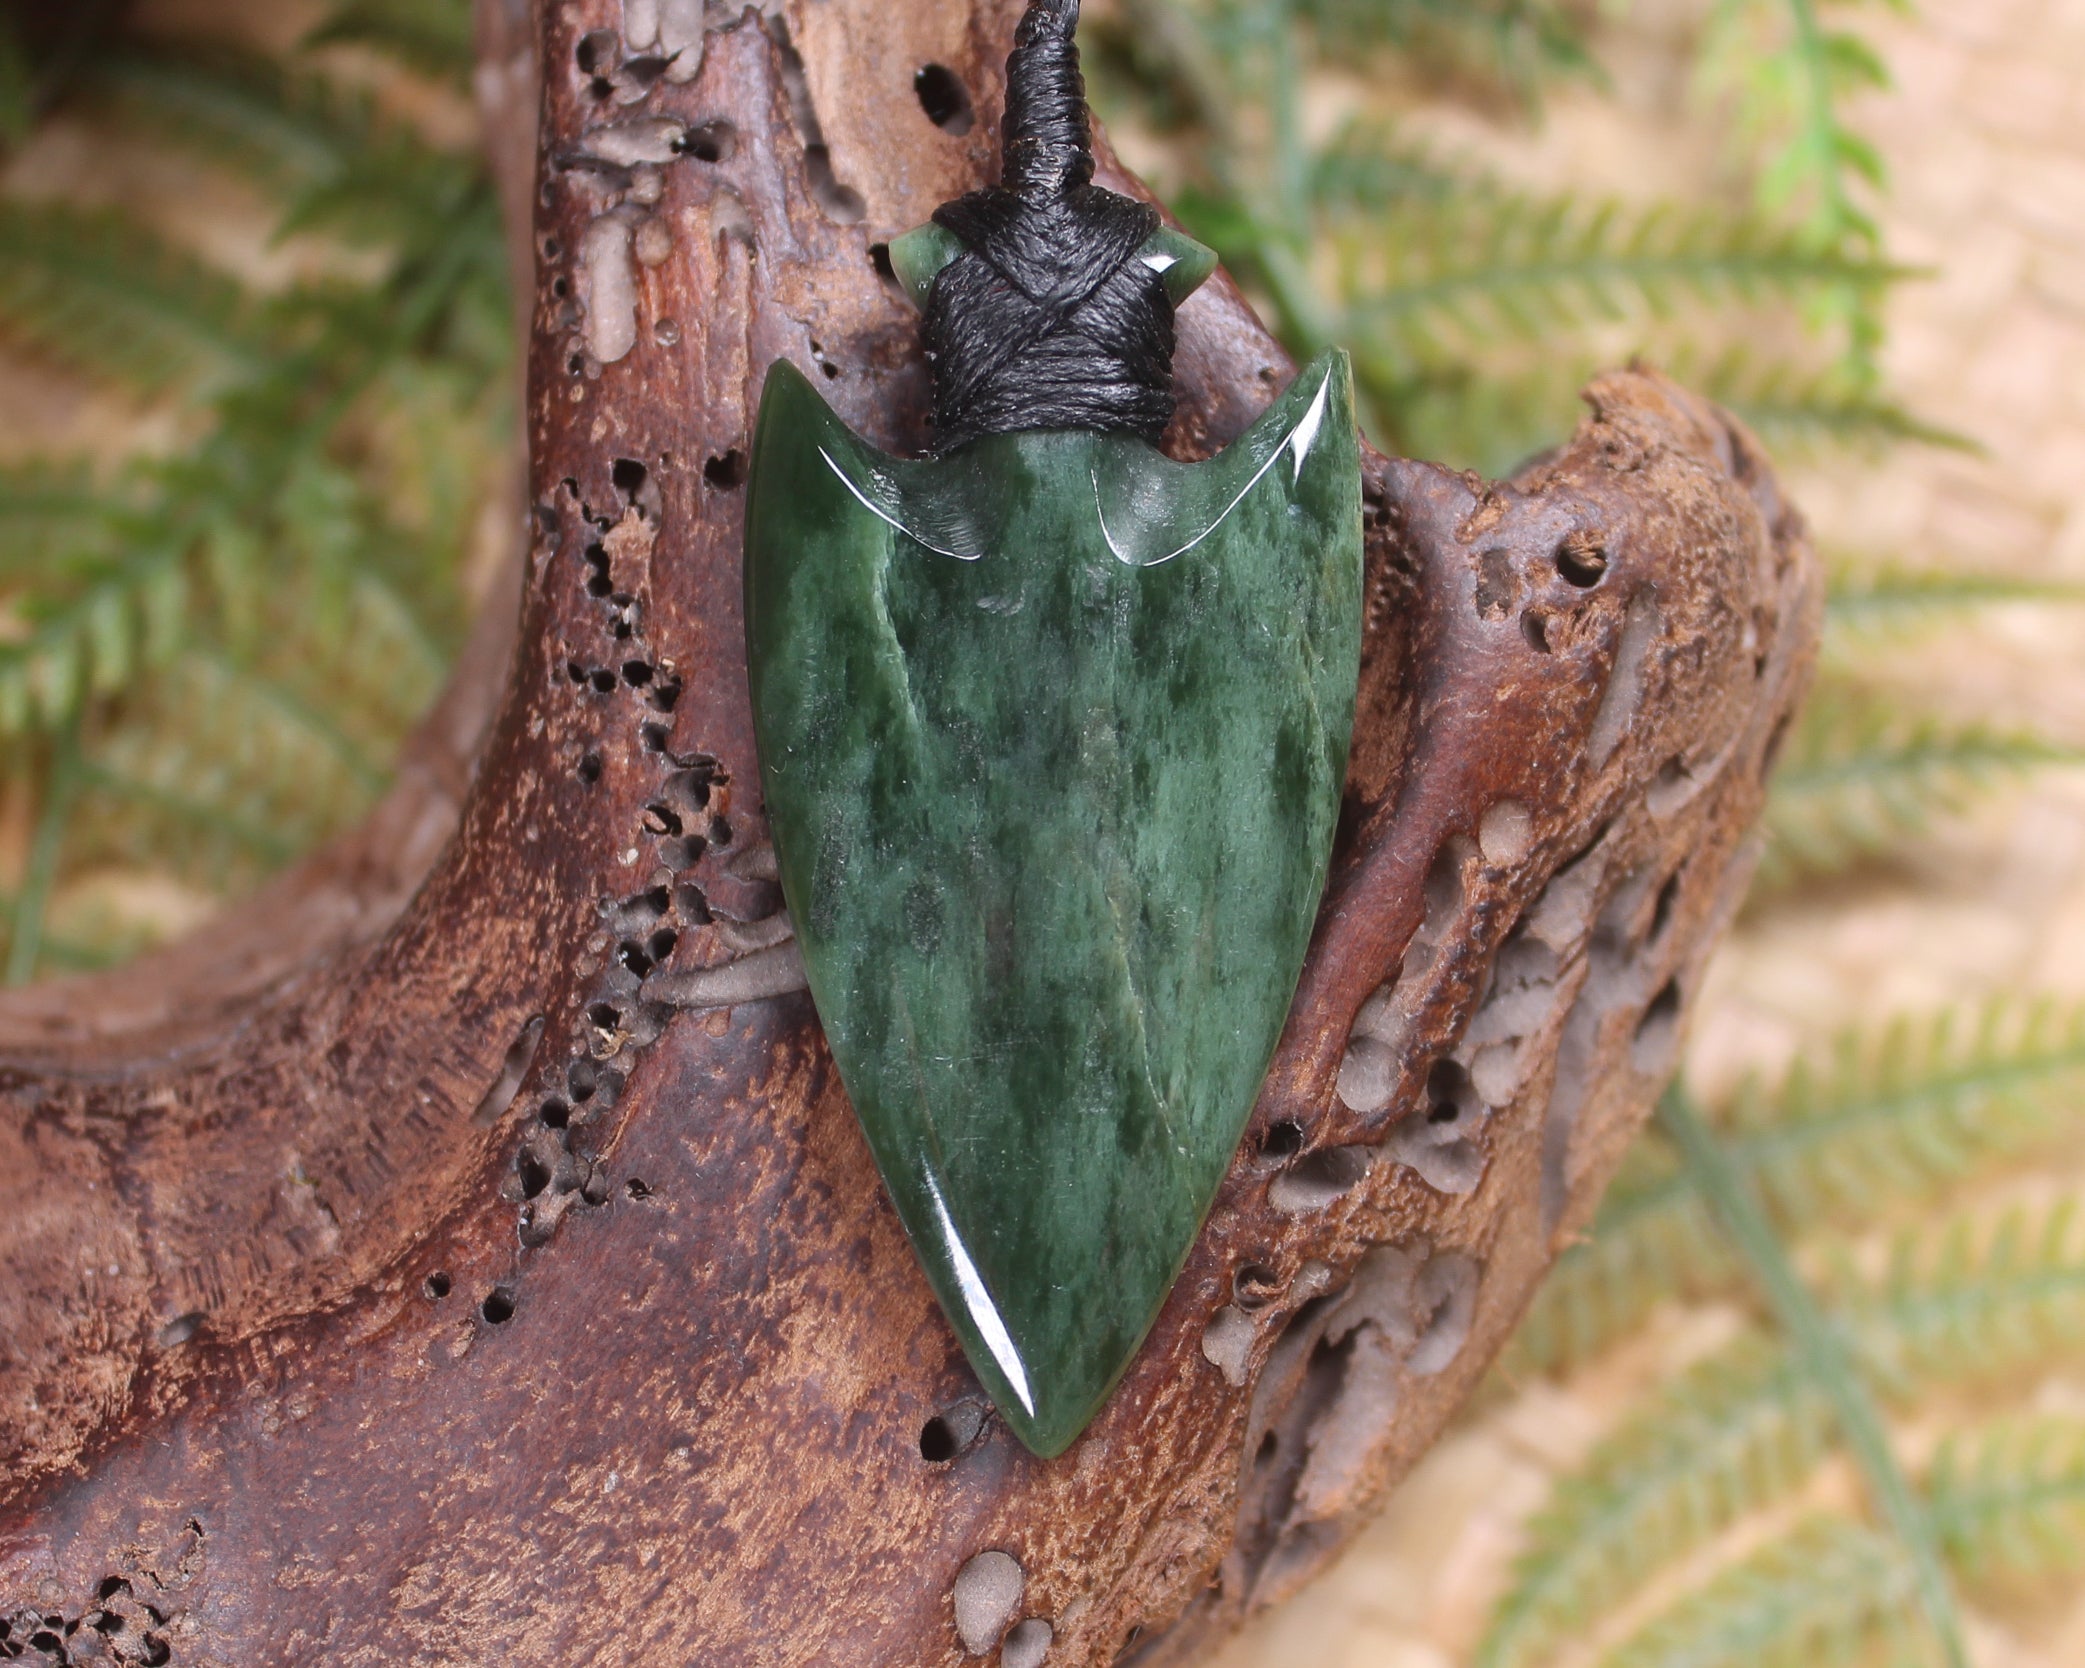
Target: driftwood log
386, 1277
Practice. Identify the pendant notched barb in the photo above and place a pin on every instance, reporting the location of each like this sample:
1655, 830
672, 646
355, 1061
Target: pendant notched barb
1052, 732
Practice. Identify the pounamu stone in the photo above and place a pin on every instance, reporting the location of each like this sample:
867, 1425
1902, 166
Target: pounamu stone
1052, 735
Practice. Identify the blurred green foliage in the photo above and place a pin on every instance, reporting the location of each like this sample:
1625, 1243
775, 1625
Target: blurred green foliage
213, 648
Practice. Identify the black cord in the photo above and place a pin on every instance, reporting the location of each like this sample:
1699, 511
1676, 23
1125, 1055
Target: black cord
1047, 320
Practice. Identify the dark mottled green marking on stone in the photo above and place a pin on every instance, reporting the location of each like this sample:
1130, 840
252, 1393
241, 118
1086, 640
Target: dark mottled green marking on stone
1053, 798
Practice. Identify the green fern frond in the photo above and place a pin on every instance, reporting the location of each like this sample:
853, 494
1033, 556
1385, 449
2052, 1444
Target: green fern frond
108, 610
274, 547
123, 613
1793, 405
1515, 43
54, 518
1869, 602
1857, 778
339, 166
212, 842
1743, 1428
376, 664
61, 786
1367, 168
1815, 1343
229, 731
226, 767
2009, 1499
75, 937
1893, 1117
1877, 1121
1792, 74
1746, 1426
1462, 301
1492, 419
1963, 1303
1830, 1593
431, 36
1520, 268
227, 774
401, 194
1491, 415
100, 293
275, 126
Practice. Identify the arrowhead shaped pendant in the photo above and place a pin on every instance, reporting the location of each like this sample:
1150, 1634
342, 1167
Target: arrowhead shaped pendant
1052, 734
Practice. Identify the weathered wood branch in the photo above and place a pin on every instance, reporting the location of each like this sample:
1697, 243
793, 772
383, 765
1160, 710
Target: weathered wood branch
386, 1278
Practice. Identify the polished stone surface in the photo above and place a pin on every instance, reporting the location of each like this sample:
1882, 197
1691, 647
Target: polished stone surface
1052, 735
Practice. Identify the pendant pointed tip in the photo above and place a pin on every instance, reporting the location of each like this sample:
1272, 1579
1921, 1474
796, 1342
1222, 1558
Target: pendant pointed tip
1046, 1431
1052, 1407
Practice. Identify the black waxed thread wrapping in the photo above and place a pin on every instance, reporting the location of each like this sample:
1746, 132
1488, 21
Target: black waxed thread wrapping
1047, 319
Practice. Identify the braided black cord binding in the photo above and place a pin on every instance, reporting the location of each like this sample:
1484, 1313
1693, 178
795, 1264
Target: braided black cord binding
1047, 320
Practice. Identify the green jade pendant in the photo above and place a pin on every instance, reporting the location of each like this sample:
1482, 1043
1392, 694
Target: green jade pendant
1052, 735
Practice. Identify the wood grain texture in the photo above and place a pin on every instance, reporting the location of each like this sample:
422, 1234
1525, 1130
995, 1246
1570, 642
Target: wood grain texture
382, 1279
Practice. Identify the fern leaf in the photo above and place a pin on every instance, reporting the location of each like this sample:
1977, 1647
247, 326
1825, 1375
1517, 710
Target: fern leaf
1883, 601
431, 36
106, 590
73, 945
1746, 1426
1791, 75
216, 844
98, 292
281, 129
25, 935
242, 632
126, 612
1741, 1430
368, 658
2009, 1499
1817, 1346
1894, 1116
1963, 1304
1858, 778
1795, 406
400, 192
339, 166
1514, 43
1825, 1595
1490, 420
1878, 1119
1367, 168
1491, 417
227, 769
225, 774
1519, 268
54, 519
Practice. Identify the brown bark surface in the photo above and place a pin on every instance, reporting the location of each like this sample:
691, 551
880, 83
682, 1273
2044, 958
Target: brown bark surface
384, 1279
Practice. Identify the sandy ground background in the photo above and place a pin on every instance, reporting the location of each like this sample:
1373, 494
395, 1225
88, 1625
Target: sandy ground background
1984, 135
